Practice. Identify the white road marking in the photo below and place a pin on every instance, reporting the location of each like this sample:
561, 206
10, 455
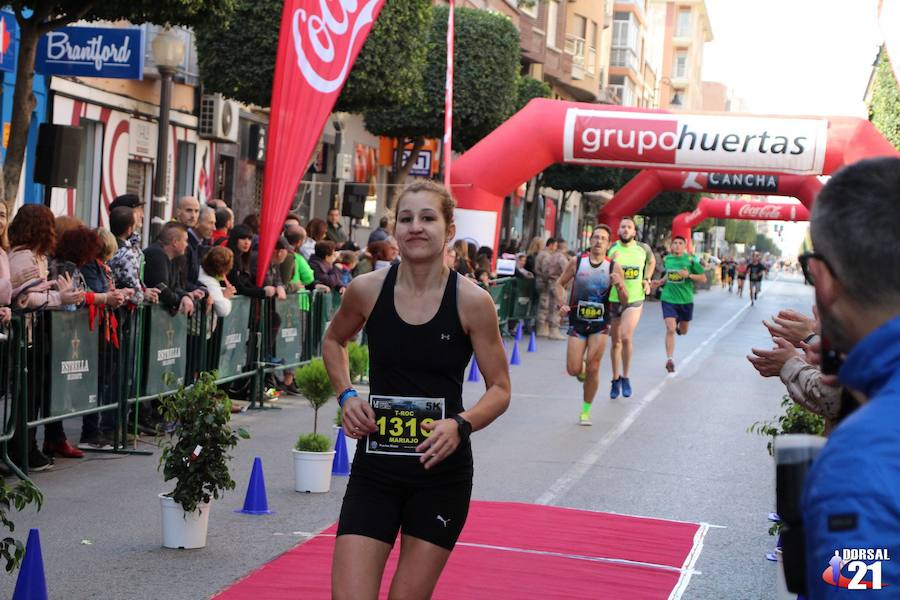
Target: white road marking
590, 458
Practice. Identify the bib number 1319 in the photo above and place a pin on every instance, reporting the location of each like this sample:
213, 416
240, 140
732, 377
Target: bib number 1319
399, 423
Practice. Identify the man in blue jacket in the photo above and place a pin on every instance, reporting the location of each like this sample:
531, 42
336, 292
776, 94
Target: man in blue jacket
851, 499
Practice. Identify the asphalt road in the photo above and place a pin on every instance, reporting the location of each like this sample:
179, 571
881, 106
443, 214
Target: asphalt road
677, 449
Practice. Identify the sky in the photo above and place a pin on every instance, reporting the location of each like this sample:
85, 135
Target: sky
794, 57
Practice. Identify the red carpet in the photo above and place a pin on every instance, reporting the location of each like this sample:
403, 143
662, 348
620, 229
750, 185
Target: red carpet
510, 550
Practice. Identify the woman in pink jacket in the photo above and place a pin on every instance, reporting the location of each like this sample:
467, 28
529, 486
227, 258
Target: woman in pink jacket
32, 238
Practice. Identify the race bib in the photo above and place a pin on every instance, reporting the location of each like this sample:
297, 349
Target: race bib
590, 311
632, 272
398, 422
674, 277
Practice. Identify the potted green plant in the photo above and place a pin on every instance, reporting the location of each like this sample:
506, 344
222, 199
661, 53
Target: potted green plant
312, 453
359, 361
195, 454
25, 493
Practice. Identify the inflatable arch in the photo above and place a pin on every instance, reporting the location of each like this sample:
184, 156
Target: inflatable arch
635, 194
552, 131
709, 208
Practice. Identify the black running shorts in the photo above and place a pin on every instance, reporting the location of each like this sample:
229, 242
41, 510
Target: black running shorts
379, 510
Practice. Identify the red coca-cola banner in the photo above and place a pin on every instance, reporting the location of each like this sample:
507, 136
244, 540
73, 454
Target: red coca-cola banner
317, 45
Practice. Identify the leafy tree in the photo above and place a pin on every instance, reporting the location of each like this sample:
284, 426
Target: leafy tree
766, 245
884, 112
570, 178
670, 204
484, 87
47, 15
237, 59
740, 232
528, 88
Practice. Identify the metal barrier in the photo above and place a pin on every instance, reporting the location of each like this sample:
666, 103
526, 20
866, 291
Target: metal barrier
106, 367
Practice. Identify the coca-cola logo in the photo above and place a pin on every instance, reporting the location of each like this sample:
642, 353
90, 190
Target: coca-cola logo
749, 211
324, 40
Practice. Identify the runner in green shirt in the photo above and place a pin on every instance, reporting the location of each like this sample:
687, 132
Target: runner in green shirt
682, 270
638, 262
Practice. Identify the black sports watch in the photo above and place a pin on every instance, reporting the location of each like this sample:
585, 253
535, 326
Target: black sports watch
464, 428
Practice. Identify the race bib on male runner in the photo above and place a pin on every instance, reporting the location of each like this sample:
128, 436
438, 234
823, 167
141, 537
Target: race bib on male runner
632, 272
590, 311
674, 277
399, 421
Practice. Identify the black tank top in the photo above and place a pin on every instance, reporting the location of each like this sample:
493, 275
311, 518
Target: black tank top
428, 361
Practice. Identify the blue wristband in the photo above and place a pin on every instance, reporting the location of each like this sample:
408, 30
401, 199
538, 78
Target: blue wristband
348, 393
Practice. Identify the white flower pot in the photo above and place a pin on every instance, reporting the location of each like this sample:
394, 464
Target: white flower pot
351, 444
180, 529
312, 471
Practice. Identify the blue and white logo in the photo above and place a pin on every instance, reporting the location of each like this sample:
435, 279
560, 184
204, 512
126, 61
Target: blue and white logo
92, 52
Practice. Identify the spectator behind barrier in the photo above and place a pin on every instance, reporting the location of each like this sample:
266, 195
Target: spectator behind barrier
315, 231
381, 233
214, 268
224, 223
273, 274
464, 264
32, 236
335, 231
240, 242
534, 248
322, 263
161, 270
5, 282
345, 263
303, 274
188, 214
850, 497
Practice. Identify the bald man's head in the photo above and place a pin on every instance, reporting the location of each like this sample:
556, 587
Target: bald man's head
188, 211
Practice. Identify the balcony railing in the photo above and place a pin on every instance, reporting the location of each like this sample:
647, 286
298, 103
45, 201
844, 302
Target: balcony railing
575, 46
624, 57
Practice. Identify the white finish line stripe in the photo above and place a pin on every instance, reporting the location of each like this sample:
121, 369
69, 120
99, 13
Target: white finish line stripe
690, 560
590, 458
686, 570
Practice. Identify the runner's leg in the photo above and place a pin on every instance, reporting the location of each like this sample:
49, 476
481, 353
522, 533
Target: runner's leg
628, 324
670, 337
683, 326
615, 353
575, 355
596, 344
418, 568
357, 567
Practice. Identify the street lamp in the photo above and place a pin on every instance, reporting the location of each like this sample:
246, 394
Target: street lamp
168, 54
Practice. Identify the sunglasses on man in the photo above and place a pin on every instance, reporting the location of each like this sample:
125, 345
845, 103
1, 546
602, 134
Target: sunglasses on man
804, 265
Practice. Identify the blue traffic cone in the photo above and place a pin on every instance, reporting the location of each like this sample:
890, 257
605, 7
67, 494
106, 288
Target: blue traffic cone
31, 584
532, 342
473, 371
255, 502
519, 332
341, 463
514, 359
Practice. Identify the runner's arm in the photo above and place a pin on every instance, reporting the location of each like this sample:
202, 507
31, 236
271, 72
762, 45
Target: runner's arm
561, 283
620, 284
356, 304
649, 263
479, 318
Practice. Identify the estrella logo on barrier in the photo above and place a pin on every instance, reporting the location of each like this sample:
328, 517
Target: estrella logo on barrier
860, 562
713, 142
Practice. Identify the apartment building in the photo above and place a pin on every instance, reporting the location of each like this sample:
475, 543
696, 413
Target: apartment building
632, 76
679, 31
